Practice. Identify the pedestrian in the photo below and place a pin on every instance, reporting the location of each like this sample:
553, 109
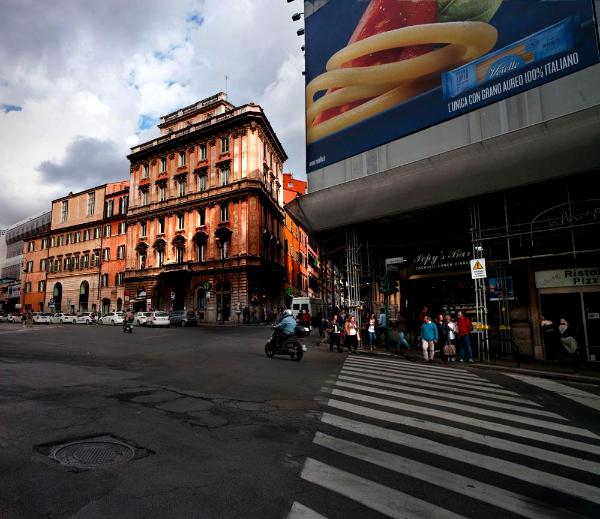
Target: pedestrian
449, 348
352, 335
246, 314
381, 324
401, 332
333, 329
429, 337
567, 336
465, 327
372, 333
442, 333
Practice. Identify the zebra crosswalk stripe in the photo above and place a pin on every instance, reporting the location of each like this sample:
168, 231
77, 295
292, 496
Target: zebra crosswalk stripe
453, 417
388, 501
448, 396
438, 381
511, 501
442, 403
433, 370
299, 511
498, 465
449, 375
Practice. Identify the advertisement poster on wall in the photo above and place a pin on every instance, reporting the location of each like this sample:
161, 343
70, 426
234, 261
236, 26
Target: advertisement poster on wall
379, 70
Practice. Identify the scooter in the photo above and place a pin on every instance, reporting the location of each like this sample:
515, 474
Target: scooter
293, 346
128, 327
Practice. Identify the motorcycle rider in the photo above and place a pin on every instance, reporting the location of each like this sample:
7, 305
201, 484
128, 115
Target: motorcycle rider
285, 328
128, 318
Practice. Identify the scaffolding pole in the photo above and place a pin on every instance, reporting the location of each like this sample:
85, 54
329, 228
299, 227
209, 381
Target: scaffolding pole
483, 351
353, 272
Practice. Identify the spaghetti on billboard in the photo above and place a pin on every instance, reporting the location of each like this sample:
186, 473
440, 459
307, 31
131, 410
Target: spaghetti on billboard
379, 70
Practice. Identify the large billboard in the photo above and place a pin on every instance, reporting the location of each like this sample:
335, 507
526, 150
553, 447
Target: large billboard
379, 70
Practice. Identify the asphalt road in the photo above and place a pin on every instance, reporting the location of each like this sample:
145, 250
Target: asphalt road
217, 430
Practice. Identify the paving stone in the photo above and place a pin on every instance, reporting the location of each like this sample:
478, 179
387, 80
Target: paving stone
186, 405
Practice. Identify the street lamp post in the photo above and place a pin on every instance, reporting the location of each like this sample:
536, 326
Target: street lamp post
220, 316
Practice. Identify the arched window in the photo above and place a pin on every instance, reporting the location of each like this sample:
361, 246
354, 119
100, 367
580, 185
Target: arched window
179, 248
159, 249
84, 294
200, 246
142, 253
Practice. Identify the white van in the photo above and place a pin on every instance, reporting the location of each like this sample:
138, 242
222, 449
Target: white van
313, 305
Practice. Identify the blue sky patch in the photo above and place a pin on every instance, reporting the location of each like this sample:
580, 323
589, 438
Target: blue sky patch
195, 19
146, 121
11, 108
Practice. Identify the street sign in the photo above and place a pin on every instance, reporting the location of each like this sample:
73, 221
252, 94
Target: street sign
394, 261
51, 301
172, 296
478, 268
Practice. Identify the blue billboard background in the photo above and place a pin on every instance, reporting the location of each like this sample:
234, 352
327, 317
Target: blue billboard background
329, 29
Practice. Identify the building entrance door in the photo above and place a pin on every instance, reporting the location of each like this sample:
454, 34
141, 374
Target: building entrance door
554, 308
591, 304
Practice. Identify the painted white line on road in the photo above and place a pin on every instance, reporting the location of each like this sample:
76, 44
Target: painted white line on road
485, 439
453, 405
421, 368
445, 395
475, 422
581, 397
416, 382
299, 511
511, 501
387, 501
448, 375
500, 466
436, 381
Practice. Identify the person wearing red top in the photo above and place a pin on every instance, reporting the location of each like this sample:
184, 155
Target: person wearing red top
465, 327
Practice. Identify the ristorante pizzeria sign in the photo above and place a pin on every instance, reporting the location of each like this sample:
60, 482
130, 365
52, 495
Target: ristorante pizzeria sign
576, 277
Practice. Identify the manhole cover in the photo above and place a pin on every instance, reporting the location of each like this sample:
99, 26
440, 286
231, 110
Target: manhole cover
93, 453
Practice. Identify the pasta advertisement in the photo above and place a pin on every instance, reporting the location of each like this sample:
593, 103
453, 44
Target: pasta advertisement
378, 70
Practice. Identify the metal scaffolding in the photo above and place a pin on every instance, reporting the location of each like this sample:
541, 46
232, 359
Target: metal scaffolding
353, 272
481, 325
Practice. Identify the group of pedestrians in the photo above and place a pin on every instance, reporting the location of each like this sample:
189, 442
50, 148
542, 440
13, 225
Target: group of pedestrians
453, 338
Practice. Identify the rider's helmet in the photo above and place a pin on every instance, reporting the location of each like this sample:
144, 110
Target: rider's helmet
287, 312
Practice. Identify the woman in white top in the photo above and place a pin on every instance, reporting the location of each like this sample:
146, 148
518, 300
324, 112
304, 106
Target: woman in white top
352, 335
371, 332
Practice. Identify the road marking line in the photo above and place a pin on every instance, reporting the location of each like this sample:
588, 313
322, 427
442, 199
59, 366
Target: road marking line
581, 397
299, 511
485, 439
472, 488
475, 422
416, 378
387, 501
441, 376
443, 403
498, 465
418, 367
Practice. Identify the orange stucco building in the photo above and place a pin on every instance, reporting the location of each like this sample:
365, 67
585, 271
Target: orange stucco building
33, 277
205, 224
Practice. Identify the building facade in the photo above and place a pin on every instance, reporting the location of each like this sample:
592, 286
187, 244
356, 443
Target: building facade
205, 224
512, 180
86, 250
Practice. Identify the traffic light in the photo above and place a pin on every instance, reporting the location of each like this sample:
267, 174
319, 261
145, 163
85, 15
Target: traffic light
383, 284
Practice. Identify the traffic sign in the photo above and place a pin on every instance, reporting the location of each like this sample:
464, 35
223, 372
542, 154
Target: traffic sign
173, 296
394, 262
478, 268
51, 301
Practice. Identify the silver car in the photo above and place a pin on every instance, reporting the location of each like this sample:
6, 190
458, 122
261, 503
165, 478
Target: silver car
158, 318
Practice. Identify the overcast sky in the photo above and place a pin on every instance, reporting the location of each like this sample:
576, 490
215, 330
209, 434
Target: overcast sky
81, 81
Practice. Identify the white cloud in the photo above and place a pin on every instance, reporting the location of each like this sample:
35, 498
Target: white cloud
84, 75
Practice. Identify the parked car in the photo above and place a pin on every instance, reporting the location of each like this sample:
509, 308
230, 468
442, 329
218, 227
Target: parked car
183, 318
140, 318
41, 318
15, 318
85, 318
158, 318
3, 317
60, 318
112, 318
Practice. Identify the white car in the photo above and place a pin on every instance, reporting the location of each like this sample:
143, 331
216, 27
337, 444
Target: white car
3, 318
41, 318
15, 318
140, 318
85, 318
60, 318
158, 318
112, 318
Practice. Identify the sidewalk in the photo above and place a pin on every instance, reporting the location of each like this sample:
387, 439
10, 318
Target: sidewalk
543, 369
